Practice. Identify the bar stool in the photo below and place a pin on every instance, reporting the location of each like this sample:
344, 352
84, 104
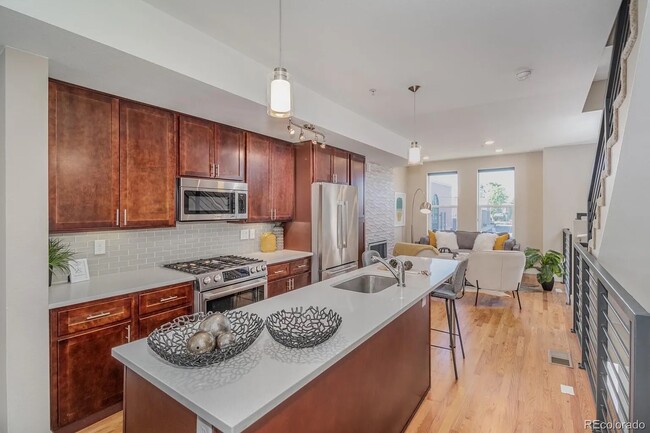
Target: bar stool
450, 292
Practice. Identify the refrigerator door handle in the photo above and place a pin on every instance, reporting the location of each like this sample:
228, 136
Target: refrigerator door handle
344, 237
339, 224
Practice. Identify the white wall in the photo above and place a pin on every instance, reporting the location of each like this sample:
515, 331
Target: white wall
567, 175
24, 232
528, 192
624, 250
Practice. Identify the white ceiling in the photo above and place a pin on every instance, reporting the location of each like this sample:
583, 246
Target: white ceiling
463, 54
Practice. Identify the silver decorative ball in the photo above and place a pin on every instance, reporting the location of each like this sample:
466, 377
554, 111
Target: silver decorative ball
201, 342
226, 339
215, 324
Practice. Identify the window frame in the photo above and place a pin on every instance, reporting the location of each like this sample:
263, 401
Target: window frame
430, 199
513, 205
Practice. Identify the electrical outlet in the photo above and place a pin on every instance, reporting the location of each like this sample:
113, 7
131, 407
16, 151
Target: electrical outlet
251, 234
100, 247
243, 235
202, 426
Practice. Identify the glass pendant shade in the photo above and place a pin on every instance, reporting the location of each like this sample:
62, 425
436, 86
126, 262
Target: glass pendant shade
279, 96
415, 154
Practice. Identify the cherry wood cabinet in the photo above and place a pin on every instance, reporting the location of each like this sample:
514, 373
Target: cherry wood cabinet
340, 166
322, 163
208, 149
331, 165
196, 147
271, 179
83, 159
288, 276
112, 163
230, 153
147, 166
86, 382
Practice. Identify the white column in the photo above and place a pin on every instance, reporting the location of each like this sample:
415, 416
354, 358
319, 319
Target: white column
24, 353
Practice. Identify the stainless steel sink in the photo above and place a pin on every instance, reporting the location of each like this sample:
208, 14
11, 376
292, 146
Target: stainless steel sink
367, 284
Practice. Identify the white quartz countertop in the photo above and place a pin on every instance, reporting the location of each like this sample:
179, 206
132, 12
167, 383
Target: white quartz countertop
280, 256
233, 395
105, 286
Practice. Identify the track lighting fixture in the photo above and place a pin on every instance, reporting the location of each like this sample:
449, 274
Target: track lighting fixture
317, 136
291, 130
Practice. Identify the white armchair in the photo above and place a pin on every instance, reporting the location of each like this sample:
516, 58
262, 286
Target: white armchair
496, 270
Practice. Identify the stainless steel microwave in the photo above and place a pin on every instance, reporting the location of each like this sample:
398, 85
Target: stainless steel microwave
211, 200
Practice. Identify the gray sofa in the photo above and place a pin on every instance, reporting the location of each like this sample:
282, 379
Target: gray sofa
466, 241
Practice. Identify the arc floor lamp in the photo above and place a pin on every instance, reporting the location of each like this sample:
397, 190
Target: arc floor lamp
425, 208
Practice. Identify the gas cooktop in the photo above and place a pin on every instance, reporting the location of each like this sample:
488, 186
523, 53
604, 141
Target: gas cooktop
221, 271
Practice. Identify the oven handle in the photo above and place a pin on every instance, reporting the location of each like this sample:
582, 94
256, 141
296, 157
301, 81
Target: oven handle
236, 289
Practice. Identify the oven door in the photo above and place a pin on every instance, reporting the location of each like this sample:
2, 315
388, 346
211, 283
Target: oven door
197, 204
232, 297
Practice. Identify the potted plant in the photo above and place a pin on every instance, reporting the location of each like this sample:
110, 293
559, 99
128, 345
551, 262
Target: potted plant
547, 265
60, 255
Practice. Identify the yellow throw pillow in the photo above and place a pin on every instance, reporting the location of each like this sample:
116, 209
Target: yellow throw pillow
499, 244
432, 239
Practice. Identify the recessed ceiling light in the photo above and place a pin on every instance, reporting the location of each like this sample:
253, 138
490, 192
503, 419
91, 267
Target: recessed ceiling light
523, 74
489, 142
498, 150
425, 157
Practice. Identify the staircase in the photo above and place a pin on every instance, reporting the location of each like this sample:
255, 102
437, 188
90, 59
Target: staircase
613, 121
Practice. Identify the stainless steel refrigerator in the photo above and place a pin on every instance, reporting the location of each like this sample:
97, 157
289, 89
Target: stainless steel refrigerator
335, 230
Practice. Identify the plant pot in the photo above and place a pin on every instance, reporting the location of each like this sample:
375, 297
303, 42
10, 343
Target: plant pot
548, 285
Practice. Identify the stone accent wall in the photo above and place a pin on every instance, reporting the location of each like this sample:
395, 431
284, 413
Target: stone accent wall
130, 250
380, 195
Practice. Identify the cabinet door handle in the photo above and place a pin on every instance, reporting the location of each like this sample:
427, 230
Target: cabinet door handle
279, 272
125, 217
168, 299
334, 177
301, 266
128, 333
117, 217
98, 316
211, 170
218, 170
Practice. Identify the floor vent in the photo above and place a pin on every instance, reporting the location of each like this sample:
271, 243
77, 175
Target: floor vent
560, 358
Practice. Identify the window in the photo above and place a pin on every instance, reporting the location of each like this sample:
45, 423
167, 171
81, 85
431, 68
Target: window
442, 191
496, 200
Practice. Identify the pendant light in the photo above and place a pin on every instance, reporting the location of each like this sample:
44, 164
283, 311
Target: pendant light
415, 151
279, 98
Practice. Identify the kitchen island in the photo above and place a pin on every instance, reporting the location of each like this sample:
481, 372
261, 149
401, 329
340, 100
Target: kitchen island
369, 377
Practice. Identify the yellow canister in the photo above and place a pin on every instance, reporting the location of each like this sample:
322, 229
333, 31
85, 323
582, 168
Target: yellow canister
268, 242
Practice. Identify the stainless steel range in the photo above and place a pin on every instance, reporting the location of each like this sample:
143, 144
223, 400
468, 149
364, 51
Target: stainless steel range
225, 282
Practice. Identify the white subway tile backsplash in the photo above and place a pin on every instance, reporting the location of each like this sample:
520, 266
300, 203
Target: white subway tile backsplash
130, 250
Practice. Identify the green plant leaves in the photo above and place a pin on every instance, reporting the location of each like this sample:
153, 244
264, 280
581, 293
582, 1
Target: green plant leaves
59, 255
548, 265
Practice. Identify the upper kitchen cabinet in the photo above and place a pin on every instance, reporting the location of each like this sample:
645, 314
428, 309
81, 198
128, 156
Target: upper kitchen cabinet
147, 166
340, 167
83, 159
331, 165
197, 140
282, 180
230, 153
270, 178
208, 149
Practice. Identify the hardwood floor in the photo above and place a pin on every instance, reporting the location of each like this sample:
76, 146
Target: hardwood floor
505, 383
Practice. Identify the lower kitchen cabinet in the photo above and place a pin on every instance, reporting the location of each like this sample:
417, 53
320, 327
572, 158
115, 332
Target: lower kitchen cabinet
148, 324
89, 379
287, 276
86, 382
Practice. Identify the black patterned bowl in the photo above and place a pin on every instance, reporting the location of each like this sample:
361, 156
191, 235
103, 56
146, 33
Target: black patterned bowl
301, 328
170, 340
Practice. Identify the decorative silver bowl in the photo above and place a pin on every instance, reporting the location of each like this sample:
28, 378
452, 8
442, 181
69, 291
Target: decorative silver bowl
169, 341
301, 328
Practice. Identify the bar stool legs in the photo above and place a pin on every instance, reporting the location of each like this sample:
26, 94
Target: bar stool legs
452, 325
